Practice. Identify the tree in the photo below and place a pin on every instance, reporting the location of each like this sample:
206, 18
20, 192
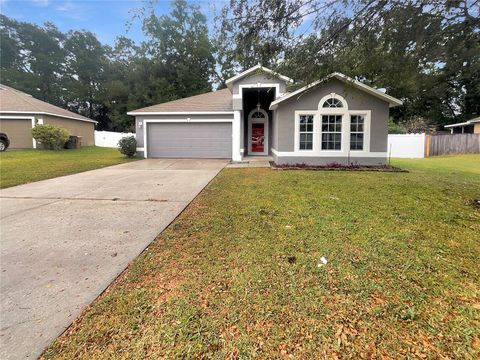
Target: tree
85, 73
32, 58
423, 51
180, 48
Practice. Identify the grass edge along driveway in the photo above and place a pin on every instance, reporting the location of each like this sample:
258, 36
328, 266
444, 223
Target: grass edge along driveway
237, 275
24, 166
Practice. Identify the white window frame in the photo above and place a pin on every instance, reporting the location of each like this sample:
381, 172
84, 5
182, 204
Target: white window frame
317, 132
367, 114
342, 132
357, 133
306, 132
298, 113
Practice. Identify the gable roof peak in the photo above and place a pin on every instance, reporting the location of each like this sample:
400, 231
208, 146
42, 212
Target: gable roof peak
253, 69
346, 79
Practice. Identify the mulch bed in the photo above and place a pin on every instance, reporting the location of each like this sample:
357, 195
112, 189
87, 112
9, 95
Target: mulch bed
338, 167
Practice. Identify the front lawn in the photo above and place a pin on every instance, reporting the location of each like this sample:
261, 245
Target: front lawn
237, 274
23, 166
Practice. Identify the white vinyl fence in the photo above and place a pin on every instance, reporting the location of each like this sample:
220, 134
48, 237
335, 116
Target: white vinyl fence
109, 138
406, 145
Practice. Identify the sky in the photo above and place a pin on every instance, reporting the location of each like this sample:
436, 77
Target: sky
106, 18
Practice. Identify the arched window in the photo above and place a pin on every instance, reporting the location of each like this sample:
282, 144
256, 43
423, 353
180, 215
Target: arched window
332, 103
258, 114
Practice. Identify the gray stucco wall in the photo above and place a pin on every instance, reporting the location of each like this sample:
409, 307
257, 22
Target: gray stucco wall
139, 129
357, 100
323, 160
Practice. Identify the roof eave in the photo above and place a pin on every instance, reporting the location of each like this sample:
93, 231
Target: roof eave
392, 101
458, 125
46, 113
138, 113
229, 82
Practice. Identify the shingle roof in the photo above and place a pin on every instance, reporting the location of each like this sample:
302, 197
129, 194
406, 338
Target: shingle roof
15, 101
215, 101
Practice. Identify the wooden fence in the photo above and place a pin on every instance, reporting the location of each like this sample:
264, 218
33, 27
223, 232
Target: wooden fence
452, 144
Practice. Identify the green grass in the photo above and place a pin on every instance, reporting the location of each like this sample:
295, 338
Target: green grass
23, 166
236, 275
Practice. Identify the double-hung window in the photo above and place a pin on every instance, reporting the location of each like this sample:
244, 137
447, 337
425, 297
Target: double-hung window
331, 132
306, 132
357, 132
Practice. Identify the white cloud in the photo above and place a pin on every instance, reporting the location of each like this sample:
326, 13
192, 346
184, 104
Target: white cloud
73, 10
41, 3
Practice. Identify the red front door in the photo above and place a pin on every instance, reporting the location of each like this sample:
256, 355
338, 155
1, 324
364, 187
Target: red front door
258, 137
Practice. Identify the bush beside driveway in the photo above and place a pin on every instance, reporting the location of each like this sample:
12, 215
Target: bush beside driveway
238, 275
24, 166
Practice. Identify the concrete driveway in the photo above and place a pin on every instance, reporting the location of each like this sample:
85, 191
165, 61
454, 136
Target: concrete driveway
64, 240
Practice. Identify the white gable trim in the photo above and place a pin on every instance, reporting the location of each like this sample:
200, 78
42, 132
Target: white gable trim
180, 113
368, 89
47, 113
247, 72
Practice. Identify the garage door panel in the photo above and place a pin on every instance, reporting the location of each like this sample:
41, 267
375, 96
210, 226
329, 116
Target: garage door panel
191, 140
19, 131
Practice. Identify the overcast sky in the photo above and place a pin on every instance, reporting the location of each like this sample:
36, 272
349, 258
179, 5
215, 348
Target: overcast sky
106, 18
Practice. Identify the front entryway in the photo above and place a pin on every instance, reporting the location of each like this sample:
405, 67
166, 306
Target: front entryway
258, 132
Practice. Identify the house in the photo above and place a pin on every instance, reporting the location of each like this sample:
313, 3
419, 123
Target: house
336, 119
469, 127
19, 112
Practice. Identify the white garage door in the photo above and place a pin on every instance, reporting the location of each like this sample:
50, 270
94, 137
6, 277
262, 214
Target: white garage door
189, 140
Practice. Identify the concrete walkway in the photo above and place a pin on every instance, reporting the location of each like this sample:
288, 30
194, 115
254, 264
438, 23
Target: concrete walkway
252, 162
64, 240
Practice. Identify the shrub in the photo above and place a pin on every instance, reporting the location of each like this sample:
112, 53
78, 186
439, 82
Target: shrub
128, 146
50, 137
394, 128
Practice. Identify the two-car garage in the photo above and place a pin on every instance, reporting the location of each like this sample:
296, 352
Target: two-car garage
189, 139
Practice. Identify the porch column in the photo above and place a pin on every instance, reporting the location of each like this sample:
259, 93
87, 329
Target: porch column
236, 134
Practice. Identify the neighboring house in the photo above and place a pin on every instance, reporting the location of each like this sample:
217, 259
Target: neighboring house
469, 127
336, 119
19, 112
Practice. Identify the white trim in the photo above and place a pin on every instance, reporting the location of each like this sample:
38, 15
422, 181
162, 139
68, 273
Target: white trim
186, 120
47, 113
317, 131
40, 122
366, 129
469, 122
34, 142
140, 149
145, 130
137, 113
236, 133
32, 123
258, 85
390, 99
458, 125
297, 130
253, 69
265, 122
354, 154
333, 96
